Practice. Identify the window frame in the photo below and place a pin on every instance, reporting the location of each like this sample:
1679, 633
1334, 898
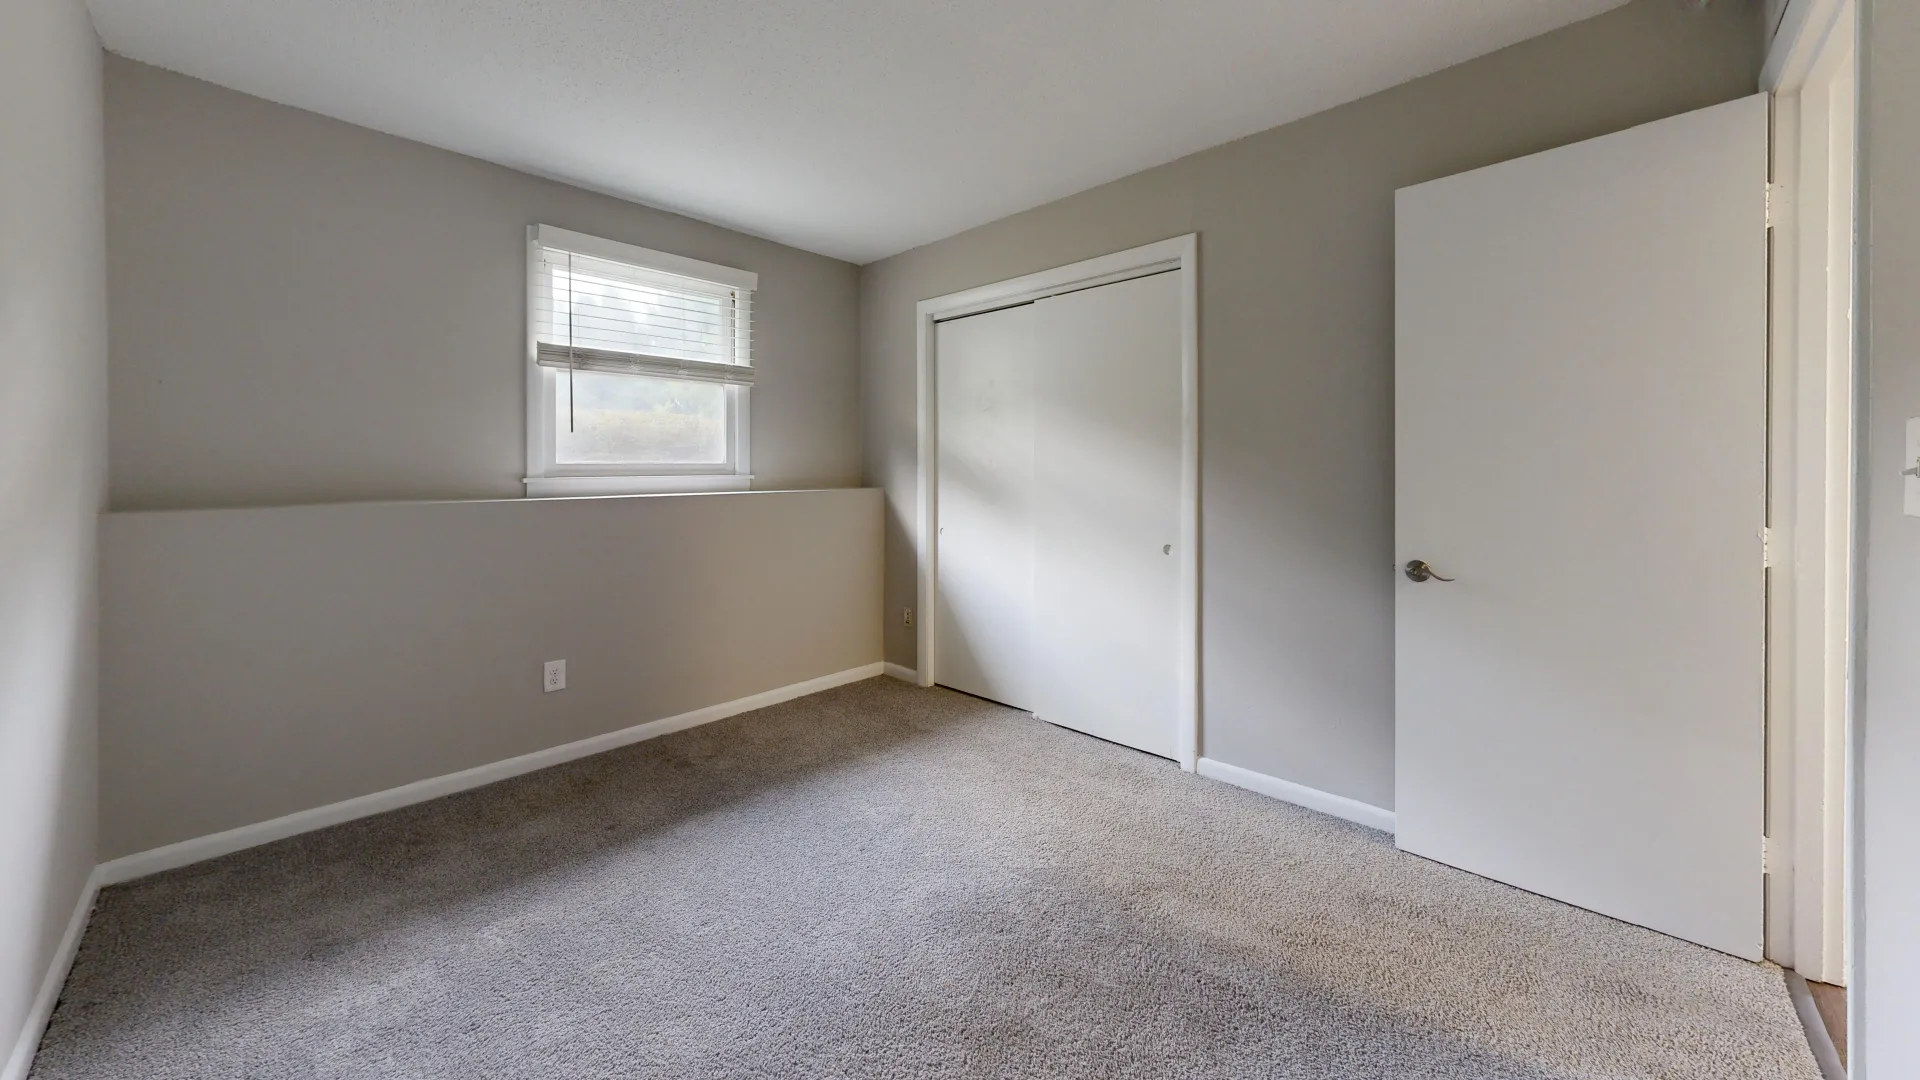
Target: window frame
547, 477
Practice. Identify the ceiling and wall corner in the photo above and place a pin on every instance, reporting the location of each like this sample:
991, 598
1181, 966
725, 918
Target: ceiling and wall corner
856, 129
309, 311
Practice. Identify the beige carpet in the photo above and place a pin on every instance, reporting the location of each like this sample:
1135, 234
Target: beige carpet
883, 881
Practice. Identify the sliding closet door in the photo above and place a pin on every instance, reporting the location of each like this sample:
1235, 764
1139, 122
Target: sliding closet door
1106, 511
983, 630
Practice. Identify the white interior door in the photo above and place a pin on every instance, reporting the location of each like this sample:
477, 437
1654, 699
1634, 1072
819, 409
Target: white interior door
983, 630
1580, 428
1107, 465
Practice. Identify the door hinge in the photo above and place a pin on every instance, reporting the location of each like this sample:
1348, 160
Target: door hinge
1776, 204
1766, 855
1766, 549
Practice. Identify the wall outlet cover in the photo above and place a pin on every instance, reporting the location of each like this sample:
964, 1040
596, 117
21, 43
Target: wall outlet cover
555, 677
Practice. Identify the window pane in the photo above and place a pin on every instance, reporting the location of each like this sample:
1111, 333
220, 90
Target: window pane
636, 419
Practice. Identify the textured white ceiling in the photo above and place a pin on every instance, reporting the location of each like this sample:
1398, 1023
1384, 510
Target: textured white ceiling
856, 128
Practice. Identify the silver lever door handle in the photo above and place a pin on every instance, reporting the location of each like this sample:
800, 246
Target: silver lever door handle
1418, 570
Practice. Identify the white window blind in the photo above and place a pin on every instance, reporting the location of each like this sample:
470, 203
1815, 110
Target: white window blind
593, 313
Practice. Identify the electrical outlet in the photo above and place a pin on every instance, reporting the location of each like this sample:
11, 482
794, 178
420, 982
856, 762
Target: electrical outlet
906, 616
556, 676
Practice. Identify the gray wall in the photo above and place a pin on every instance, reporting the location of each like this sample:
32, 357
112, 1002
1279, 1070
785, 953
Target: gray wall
308, 311
1296, 243
53, 360
1886, 970
259, 662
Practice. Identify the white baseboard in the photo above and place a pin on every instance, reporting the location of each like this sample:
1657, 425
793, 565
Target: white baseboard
28, 1043
904, 674
1373, 817
202, 848
208, 847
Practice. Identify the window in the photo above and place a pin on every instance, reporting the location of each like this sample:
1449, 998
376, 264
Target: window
640, 367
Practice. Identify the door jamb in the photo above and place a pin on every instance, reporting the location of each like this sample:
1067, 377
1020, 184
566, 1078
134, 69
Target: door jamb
1179, 254
1810, 515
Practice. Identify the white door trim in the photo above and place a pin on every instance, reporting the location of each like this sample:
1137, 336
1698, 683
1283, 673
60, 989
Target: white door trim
1811, 491
1804, 29
1179, 254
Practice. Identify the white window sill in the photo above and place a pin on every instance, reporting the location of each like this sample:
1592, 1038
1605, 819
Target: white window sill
539, 487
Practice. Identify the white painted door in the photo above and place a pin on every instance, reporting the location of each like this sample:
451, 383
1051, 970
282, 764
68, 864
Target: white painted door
983, 631
1580, 444
1106, 463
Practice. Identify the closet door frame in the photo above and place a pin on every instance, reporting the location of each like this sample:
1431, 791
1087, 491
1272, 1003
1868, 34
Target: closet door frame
1179, 254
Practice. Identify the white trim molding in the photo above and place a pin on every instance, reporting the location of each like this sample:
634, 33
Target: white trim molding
1798, 40
545, 487
1179, 254
187, 852
200, 849
664, 261
20, 1061
1373, 817
1809, 70
903, 673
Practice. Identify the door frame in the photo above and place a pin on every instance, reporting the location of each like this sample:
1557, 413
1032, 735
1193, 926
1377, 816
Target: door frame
1179, 254
1810, 490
